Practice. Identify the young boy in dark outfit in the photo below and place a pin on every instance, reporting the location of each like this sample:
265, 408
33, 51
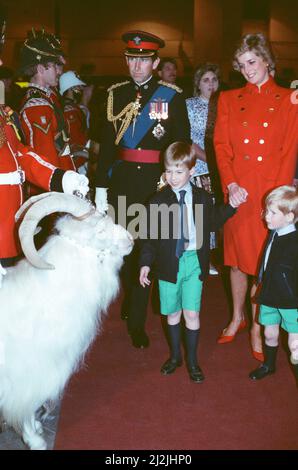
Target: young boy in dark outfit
181, 256
278, 278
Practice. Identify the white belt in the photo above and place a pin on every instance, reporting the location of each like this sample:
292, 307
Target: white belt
14, 177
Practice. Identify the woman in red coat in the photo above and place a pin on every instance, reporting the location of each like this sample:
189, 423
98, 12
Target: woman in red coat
256, 149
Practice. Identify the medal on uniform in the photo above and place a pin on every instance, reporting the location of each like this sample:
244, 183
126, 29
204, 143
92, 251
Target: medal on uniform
159, 110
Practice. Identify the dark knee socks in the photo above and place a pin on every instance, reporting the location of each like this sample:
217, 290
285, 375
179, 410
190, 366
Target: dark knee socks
192, 341
174, 337
270, 353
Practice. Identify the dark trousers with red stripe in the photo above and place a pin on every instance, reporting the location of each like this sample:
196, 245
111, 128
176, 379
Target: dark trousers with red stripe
137, 182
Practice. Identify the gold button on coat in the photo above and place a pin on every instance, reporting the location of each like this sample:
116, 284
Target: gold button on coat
260, 158
261, 141
246, 141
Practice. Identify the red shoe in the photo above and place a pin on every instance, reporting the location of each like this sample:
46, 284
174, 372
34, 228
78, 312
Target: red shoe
229, 338
259, 356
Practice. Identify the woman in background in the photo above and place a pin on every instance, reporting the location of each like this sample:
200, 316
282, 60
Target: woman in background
206, 83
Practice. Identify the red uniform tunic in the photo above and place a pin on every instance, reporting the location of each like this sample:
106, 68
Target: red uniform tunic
256, 143
14, 157
44, 126
77, 130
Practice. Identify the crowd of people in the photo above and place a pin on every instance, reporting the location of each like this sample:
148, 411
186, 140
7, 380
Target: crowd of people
231, 152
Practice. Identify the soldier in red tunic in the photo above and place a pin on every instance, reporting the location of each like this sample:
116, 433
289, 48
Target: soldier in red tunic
17, 164
70, 87
41, 116
256, 148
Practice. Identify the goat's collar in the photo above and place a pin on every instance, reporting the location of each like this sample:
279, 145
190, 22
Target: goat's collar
100, 254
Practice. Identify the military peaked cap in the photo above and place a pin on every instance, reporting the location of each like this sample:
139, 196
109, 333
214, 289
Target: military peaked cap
140, 43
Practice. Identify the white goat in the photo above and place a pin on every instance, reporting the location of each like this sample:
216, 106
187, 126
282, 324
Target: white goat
52, 305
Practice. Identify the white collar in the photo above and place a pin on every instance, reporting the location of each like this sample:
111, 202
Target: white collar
186, 187
285, 230
48, 91
144, 83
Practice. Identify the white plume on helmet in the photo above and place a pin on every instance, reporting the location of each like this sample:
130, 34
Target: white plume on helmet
69, 80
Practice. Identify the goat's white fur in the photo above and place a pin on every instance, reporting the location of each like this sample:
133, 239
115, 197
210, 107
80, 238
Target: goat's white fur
49, 318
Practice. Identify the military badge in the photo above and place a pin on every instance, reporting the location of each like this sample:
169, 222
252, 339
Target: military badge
159, 110
137, 40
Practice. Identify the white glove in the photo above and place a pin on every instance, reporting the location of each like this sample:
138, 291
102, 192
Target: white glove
72, 182
2, 273
101, 199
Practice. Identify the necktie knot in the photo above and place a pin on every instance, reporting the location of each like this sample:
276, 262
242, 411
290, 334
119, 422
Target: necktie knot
182, 196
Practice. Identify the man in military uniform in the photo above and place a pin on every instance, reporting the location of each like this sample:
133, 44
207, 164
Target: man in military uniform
17, 164
71, 89
41, 116
144, 116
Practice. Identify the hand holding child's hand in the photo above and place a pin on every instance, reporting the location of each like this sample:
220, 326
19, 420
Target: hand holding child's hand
144, 281
237, 195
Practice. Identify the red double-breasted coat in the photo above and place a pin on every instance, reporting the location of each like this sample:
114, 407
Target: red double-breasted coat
256, 144
15, 156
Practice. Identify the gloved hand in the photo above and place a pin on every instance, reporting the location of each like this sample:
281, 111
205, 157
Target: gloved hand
2, 273
72, 182
101, 199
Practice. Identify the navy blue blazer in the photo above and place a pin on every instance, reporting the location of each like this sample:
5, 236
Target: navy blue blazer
278, 284
160, 253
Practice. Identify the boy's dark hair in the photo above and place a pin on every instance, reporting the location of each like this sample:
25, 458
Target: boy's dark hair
180, 153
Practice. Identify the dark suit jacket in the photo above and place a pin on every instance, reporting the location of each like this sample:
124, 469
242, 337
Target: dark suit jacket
161, 252
279, 282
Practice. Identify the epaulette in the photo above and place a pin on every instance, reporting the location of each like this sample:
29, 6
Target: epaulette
170, 85
32, 102
116, 85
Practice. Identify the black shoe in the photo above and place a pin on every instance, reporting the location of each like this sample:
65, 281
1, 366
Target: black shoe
196, 374
261, 372
139, 339
170, 366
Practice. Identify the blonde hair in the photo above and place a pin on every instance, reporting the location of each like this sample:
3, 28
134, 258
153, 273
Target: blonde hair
180, 153
258, 44
286, 199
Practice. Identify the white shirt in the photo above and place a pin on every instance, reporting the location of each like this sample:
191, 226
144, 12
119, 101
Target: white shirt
190, 222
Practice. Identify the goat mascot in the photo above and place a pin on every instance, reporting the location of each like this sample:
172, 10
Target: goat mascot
52, 304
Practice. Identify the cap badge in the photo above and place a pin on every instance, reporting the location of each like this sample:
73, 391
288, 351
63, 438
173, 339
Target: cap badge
137, 40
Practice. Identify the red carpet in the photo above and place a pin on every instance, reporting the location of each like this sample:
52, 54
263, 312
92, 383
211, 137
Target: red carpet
121, 401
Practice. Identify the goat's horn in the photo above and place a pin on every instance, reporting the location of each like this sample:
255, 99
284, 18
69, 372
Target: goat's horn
58, 202
24, 207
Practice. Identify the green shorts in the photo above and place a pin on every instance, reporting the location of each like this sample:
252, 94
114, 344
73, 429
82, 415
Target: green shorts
286, 317
186, 293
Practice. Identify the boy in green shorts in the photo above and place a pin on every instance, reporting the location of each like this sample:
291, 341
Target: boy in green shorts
179, 250
278, 278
